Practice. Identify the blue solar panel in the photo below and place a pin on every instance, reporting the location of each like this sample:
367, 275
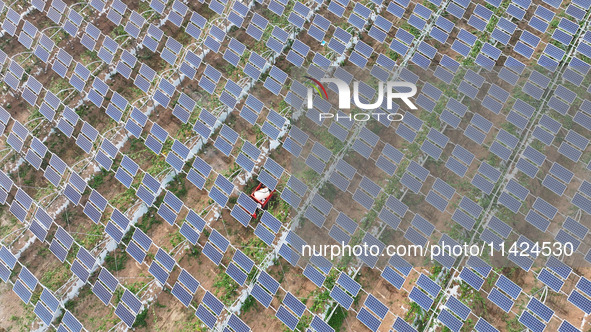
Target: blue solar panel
450, 321
458, 308
113, 232
531, 322
212, 253
508, 286
420, 298
80, 271
471, 278
261, 295
219, 240
237, 324
428, 285
181, 294
500, 299
7, 257
206, 316
567, 327
158, 272
580, 301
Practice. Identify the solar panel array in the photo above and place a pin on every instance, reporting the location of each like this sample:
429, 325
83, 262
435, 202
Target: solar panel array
508, 99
